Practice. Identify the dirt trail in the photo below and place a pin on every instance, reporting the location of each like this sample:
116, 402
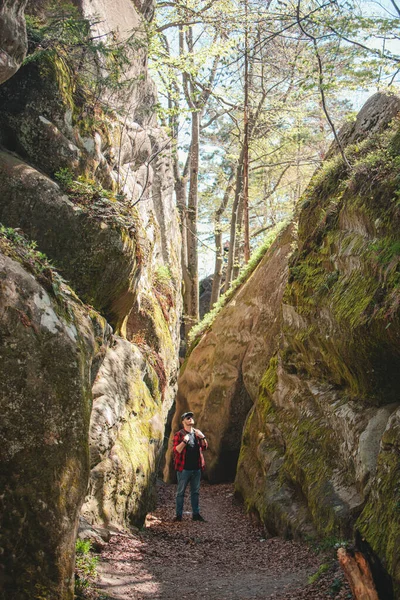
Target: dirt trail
226, 558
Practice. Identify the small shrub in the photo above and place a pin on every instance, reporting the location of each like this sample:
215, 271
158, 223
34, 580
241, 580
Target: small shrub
163, 288
322, 569
85, 65
17, 246
82, 190
85, 568
162, 276
335, 587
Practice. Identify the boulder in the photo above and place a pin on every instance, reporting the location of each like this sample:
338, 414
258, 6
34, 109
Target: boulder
47, 345
307, 354
205, 289
373, 118
126, 436
319, 445
94, 250
117, 247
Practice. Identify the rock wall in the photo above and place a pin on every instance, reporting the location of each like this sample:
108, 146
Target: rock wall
93, 189
314, 446
319, 453
49, 348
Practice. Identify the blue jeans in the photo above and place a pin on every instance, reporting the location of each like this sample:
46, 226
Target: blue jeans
184, 477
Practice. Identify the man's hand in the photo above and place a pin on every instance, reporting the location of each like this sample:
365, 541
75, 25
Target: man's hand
186, 438
199, 434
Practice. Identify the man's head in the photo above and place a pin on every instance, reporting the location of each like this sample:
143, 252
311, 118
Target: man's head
187, 418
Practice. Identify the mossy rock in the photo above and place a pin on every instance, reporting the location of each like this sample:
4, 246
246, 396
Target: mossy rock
35, 123
97, 257
320, 446
46, 349
379, 522
126, 436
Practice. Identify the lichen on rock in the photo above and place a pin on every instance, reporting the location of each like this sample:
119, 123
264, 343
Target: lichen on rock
126, 435
314, 452
48, 347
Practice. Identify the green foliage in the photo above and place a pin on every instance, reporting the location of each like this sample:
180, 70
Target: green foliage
84, 65
85, 568
162, 275
328, 545
335, 587
205, 324
322, 569
83, 190
289, 129
163, 285
39, 260
16, 245
65, 178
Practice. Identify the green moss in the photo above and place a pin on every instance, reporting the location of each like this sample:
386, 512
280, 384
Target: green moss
343, 291
379, 523
325, 181
322, 569
206, 323
158, 336
353, 298
137, 452
310, 460
267, 388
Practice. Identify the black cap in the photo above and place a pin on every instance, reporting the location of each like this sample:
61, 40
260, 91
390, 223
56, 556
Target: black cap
186, 414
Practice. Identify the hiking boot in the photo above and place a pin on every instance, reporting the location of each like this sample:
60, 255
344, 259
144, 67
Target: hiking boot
177, 518
198, 517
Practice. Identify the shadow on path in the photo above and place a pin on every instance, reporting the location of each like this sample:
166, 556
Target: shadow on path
226, 558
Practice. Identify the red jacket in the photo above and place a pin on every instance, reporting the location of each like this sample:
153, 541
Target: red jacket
179, 457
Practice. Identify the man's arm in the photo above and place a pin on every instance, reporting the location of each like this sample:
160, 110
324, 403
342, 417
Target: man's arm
202, 439
180, 445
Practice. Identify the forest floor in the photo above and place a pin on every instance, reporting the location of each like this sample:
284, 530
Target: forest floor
226, 558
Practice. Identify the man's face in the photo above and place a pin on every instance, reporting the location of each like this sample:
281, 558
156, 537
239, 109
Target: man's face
188, 421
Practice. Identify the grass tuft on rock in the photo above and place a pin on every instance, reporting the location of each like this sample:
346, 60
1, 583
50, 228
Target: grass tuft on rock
206, 323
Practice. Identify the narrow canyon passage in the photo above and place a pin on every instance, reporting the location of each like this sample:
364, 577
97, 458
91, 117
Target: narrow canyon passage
225, 558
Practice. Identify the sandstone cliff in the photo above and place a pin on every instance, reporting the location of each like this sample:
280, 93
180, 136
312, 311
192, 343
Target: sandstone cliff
318, 360
91, 184
13, 42
49, 352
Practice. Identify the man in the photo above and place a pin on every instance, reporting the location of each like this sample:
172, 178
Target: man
189, 444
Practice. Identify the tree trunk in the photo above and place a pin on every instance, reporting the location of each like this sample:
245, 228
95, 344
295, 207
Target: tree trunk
239, 246
234, 222
191, 292
219, 261
180, 192
358, 574
246, 144
219, 257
